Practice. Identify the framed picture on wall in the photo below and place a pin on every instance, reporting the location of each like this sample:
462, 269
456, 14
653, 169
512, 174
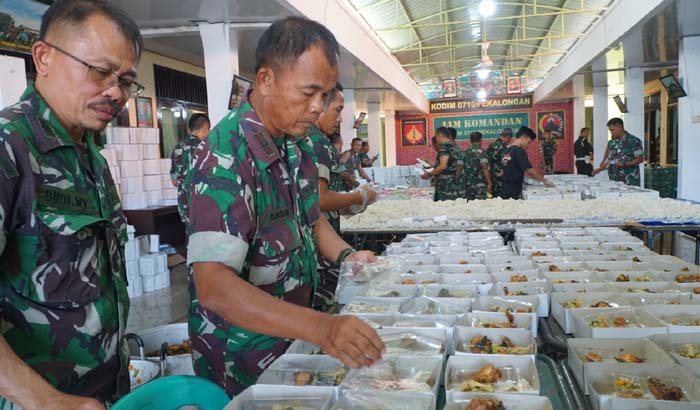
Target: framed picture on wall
239, 89
413, 133
552, 121
449, 88
144, 112
673, 87
514, 86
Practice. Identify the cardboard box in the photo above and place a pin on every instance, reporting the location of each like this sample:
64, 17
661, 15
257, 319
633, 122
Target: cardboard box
154, 198
533, 276
165, 165
132, 185
148, 283
608, 349
457, 291
162, 280
519, 337
319, 398
110, 156
166, 182
151, 151
674, 344
378, 399
152, 183
132, 152
148, 265
539, 289
457, 268
643, 299
426, 372
130, 169
459, 367
481, 280
678, 318
117, 135
460, 401
134, 201
281, 372
170, 193
601, 388
135, 135
582, 287
151, 167
161, 258
646, 324
563, 315
520, 320
116, 173
519, 304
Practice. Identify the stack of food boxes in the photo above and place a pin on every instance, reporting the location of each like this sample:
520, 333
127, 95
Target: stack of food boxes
142, 177
146, 267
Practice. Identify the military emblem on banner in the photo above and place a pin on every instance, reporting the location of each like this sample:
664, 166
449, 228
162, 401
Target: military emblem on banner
550, 121
413, 133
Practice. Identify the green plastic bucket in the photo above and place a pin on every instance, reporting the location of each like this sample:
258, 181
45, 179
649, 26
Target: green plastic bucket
175, 393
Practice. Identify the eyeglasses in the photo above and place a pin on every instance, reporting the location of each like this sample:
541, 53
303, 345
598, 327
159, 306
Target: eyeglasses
103, 77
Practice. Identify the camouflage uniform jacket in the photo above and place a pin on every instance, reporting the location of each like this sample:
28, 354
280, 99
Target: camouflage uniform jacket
63, 300
475, 180
181, 159
254, 203
548, 148
494, 154
329, 168
364, 158
447, 185
623, 150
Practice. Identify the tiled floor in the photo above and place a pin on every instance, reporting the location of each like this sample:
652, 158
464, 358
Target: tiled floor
161, 307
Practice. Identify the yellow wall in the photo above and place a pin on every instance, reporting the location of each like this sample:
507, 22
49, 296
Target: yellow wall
653, 87
146, 77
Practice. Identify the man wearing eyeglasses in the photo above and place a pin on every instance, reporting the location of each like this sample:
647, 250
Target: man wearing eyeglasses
63, 300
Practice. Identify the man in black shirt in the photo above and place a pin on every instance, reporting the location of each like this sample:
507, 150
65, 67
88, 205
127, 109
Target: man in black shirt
583, 151
516, 164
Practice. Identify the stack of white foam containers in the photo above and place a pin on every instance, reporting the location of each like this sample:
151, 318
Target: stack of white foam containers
133, 156
146, 267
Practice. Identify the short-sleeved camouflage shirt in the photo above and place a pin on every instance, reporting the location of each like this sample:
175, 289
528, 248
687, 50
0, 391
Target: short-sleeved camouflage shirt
253, 206
329, 168
623, 150
447, 185
475, 180
495, 153
63, 300
181, 161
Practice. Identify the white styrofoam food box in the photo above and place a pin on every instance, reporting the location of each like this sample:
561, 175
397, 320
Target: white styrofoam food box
483, 319
362, 400
132, 185
563, 316
674, 344
131, 169
151, 151
461, 401
642, 324
148, 265
678, 318
152, 183
320, 398
461, 367
519, 337
152, 167
134, 201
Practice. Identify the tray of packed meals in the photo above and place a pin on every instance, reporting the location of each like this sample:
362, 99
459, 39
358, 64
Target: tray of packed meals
499, 320
264, 397
492, 374
449, 291
563, 304
517, 304
373, 305
304, 370
474, 340
642, 386
616, 323
427, 306
583, 353
539, 289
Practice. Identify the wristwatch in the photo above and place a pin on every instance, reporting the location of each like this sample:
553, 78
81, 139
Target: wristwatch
344, 254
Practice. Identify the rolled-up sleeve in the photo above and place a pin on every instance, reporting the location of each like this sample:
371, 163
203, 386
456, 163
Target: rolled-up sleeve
222, 209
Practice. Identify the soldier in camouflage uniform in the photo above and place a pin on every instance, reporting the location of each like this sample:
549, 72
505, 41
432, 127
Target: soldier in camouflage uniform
181, 162
332, 195
256, 222
548, 147
448, 168
623, 155
63, 299
477, 175
494, 154
365, 160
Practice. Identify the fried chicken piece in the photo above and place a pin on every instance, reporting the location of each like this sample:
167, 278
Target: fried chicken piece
510, 317
538, 253
302, 378
485, 404
696, 291
507, 342
479, 344
594, 357
629, 358
518, 278
664, 391
620, 322
600, 304
554, 268
488, 374
622, 278
636, 259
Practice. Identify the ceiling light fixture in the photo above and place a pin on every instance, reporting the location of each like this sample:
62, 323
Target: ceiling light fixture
487, 8
482, 73
481, 94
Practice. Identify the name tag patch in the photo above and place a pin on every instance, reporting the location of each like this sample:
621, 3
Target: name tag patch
56, 198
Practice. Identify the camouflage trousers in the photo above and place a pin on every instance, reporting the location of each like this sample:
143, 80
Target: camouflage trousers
475, 191
628, 176
448, 188
497, 186
548, 166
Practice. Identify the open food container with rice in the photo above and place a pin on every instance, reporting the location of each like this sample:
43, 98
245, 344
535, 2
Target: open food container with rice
376, 399
265, 397
398, 373
563, 304
496, 401
474, 340
539, 289
684, 348
449, 291
584, 352
616, 323
499, 320
304, 370
492, 374
678, 318
517, 304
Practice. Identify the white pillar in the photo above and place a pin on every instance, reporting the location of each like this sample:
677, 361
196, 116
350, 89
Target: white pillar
220, 45
346, 129
13, 80
579, 107
689, 107
600, 110
634, 88
374, 132
390, 137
